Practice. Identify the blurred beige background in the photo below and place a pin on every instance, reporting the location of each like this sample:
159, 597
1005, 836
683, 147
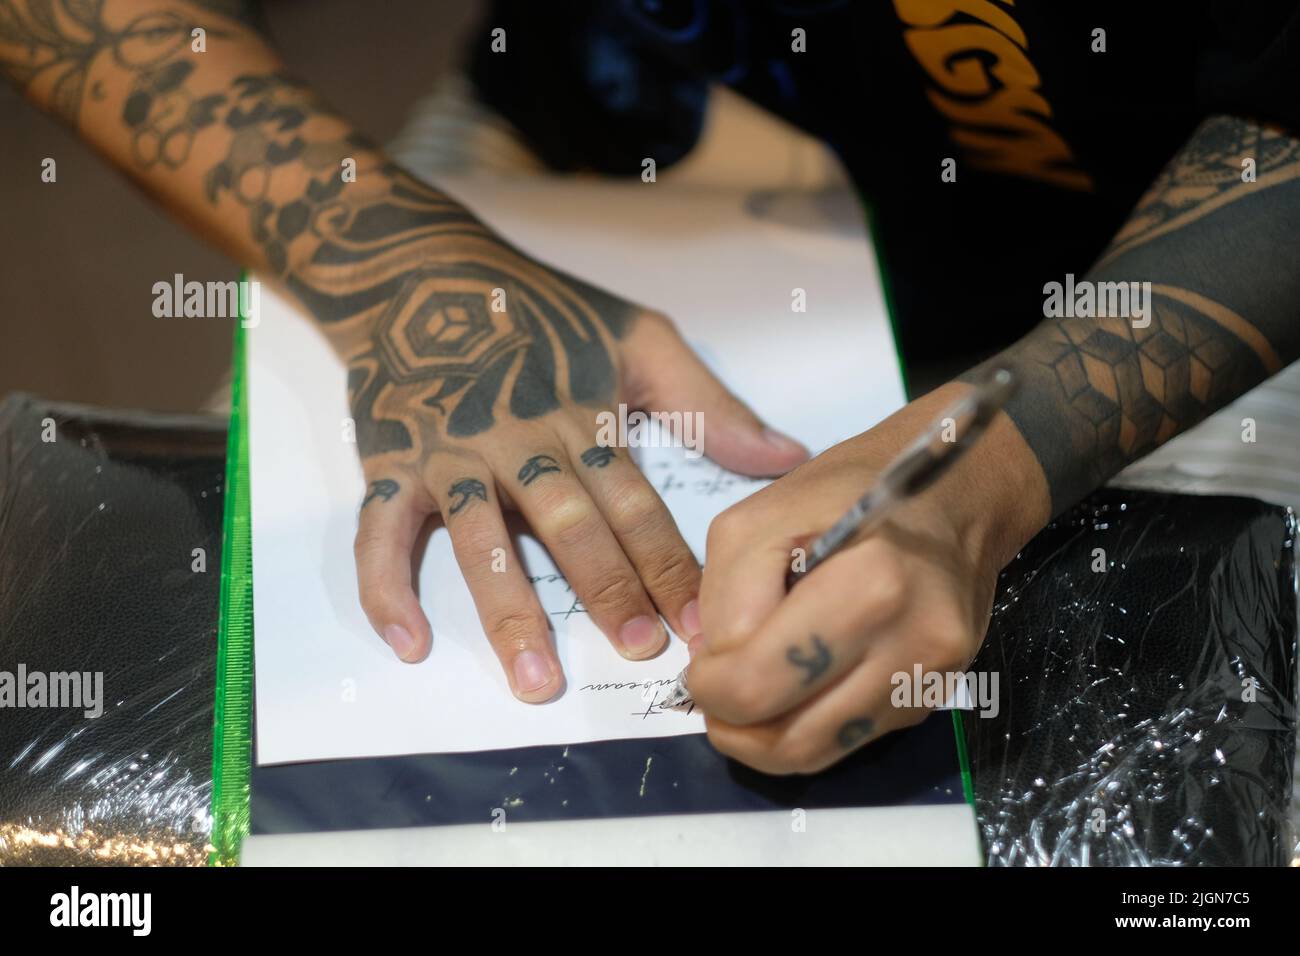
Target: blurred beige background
78, 257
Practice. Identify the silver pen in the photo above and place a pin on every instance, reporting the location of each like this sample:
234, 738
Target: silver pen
907, 476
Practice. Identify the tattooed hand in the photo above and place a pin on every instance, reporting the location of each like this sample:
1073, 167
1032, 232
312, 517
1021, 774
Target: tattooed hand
468, 411
791, 683
476, 375
475, 372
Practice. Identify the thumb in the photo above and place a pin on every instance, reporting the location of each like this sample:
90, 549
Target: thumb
664, 374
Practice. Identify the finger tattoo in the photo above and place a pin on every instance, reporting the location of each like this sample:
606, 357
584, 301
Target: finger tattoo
384, 489
815, 662
598, 457
537, 466
854, 732
466, 490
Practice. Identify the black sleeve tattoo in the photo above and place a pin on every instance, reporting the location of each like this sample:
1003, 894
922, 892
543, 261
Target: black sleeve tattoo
465, 491
1219, 252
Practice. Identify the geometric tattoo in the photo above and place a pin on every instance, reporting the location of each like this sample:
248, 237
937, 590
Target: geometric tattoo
1098, 393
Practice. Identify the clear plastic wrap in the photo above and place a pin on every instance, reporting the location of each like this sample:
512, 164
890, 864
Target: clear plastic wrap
110, 536
1147, 650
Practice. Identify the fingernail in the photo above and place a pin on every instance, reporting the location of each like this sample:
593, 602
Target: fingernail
691, 619
400, 640
531, 671
783, 443
642, 634
694, 645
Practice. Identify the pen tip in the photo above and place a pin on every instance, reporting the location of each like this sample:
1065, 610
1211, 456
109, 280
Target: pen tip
677, 694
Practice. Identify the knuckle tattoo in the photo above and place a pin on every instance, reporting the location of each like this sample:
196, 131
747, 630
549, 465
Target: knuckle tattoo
384, 489
535, 467
465, 491
598, 456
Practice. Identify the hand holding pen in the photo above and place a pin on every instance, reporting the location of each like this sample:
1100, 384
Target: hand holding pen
824, 644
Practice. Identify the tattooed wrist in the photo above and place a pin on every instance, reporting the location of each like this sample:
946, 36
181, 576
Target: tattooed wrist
1100, 392
445, 328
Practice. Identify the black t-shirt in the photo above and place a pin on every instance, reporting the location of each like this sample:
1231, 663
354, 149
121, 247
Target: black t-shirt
1055, 129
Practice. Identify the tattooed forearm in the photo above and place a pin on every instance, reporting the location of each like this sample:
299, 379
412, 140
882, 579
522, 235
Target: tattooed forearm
49, 45
164, 117
1206, 175
438, 318
47, 48
537, 466
598, 456
446, 329
1098, 393
383, 489
814, 662
465, 491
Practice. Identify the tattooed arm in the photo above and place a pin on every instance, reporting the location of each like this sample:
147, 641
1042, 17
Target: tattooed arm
792, 683
1223, 260
475, 373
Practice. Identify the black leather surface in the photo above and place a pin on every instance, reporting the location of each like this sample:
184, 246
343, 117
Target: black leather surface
1123, 737
97, 532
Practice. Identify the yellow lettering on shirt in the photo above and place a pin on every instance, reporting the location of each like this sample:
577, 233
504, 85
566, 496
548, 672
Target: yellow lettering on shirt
988, 89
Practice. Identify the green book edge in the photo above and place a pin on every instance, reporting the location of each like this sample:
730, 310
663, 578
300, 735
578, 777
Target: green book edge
887, 292
232, 724
232, 744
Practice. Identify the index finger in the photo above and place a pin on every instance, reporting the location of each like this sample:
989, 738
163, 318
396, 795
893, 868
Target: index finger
743, 579
816, 634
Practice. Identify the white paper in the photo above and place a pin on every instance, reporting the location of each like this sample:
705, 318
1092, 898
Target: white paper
724, 265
